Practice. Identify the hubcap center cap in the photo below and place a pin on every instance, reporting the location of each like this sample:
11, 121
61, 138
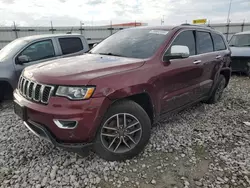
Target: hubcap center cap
120, 132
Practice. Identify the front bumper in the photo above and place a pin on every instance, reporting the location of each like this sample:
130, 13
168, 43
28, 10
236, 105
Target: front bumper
42, 132
88, 114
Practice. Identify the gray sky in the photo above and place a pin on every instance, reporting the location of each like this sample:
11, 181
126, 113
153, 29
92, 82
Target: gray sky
71, 12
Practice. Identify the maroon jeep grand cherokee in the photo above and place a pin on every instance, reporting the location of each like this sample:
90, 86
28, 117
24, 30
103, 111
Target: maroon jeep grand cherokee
108, 99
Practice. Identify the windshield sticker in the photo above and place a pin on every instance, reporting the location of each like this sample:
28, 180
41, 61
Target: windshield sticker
159, 32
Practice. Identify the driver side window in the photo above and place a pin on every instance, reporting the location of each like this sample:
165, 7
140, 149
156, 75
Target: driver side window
185, 38
38, 51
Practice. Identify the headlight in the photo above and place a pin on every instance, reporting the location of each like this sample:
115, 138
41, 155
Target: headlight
75, 93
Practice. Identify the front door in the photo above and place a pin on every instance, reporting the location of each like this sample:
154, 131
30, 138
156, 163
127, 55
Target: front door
36, 52
182, 77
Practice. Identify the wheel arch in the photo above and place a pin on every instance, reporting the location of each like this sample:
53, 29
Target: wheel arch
226, 72
144, 100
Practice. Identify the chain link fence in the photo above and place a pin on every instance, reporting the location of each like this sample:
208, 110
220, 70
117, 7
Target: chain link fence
98, 33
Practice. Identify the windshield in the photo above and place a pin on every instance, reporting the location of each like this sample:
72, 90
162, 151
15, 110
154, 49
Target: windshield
134, 43
11, 47
240, 40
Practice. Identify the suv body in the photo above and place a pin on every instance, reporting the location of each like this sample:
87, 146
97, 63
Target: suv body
31, 50
240, 47
108, 99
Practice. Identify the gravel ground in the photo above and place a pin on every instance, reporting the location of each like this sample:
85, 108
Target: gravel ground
203, 146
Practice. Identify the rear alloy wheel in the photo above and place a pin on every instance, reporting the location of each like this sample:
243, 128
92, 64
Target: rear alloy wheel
124, 132
217, 93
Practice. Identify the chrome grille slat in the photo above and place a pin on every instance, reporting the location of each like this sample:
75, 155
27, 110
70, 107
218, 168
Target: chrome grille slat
34, 91
27, 89
23, 87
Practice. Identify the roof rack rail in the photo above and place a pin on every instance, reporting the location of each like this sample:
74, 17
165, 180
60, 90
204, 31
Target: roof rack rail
187, 24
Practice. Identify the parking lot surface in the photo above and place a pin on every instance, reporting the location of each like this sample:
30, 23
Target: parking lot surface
203, 146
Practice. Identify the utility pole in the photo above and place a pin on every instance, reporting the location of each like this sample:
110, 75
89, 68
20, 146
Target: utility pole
15, 29
81, 24
229, 11
228, 18
242, 26
163, 20
111, 28
51, 25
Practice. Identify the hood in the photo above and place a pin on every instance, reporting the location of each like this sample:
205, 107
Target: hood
79, 70
240, 51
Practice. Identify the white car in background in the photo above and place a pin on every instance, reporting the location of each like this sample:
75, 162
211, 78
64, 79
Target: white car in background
240, 47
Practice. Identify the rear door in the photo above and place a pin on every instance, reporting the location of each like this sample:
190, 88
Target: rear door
71, 46
222, 53
207, 59
182, 76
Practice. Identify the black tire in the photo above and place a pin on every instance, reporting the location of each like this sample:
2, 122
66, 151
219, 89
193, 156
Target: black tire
1, 93
130, 108
218, 91
248, 71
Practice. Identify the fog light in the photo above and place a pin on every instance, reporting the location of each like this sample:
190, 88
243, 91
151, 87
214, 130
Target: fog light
65, 124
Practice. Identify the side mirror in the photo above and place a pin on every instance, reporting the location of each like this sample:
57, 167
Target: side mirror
23, 59
177, 52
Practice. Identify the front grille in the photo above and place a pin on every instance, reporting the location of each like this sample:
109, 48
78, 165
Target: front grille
34, 91
240, 63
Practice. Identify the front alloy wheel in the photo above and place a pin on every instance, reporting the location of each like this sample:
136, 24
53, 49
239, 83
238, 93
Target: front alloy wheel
124, 133
121, 133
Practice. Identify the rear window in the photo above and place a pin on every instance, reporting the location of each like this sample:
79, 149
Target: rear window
204, 42
70, 45
219, 43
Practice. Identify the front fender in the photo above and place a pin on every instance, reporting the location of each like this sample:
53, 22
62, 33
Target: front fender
128, 91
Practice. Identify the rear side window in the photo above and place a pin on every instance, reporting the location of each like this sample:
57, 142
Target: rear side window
204, 42
70, 45
186, 38
219, 43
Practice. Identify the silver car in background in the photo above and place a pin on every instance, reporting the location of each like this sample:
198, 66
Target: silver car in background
31, 50
240, 47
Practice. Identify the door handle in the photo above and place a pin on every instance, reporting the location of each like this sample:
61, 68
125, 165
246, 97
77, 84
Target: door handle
218, 56
197, 62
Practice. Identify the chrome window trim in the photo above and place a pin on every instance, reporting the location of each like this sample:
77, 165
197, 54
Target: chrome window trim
193, 29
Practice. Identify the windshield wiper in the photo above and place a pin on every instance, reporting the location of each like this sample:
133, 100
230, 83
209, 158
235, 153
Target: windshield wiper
111, 54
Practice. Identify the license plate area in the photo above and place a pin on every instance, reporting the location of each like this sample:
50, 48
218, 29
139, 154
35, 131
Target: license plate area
20, 111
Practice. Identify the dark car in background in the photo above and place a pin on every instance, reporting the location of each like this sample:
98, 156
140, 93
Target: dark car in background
109, 98
31, 50
240, 47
